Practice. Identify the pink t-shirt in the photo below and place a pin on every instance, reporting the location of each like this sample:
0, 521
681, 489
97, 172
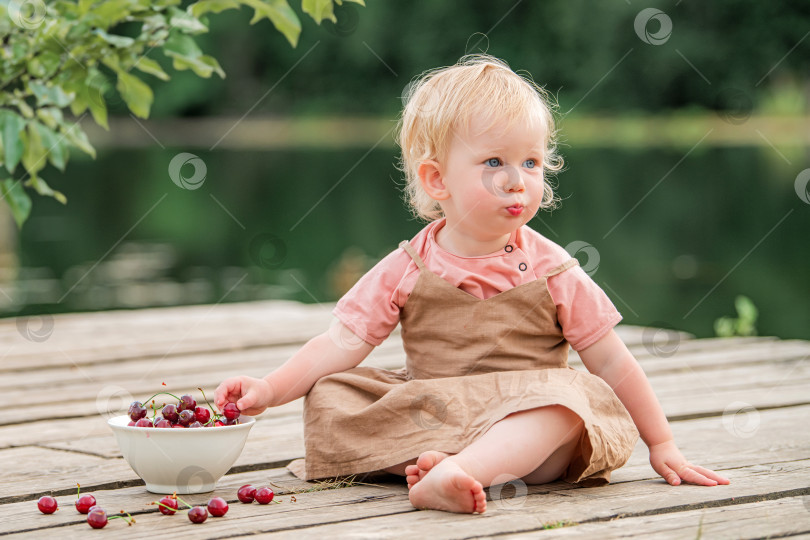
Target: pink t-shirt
371, 308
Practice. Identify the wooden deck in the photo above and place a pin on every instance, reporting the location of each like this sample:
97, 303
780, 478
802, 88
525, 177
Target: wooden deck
740, 406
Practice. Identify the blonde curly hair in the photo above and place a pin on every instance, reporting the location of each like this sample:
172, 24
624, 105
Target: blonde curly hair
441, 102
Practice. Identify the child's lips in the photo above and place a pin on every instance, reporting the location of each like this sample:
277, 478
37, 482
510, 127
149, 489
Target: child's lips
515, 209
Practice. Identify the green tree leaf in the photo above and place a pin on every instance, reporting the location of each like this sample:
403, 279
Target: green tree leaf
78, 138
11, 125
54, 145
187, 55
122, 42
47, 94
18, 201
319, 10
147, 65
215, 6
44, 65
280, 14
135, 93
51, 116
185, 21
35, 156
43, 188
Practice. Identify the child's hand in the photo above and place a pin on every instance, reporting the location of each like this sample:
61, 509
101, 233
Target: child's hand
251, 395
668, 461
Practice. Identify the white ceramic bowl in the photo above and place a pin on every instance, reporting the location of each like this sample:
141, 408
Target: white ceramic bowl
181, 460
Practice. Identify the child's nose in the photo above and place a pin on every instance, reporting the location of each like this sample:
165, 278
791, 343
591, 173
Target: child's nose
513, 181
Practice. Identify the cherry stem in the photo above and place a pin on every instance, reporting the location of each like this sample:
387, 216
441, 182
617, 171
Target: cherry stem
214, 414
181, 500
129, 519
163, 393
78, 490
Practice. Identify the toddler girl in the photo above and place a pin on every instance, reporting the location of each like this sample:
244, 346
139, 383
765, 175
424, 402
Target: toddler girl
488, 308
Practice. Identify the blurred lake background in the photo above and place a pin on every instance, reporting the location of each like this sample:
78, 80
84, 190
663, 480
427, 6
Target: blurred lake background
685, 148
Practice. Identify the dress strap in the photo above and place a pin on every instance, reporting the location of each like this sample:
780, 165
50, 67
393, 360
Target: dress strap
562, 268
412, 252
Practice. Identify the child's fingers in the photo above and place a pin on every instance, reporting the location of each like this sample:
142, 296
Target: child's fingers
708, 473
227, 389
247, 401
688, 474
669, 475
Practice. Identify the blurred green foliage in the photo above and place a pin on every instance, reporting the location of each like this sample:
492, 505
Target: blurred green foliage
361, 64
64, 55
742, 325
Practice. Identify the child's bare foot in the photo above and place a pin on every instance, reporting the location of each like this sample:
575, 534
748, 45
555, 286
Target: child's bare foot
448, 487
427, 460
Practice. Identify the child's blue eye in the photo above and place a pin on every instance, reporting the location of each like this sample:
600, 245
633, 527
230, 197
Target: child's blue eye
493, 162
529, 163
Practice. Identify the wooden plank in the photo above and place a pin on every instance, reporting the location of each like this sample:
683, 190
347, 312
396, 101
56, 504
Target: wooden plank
19, 516
139, 377
91, 338
779, 518
711, 442
95, 392
387, 513
682, 394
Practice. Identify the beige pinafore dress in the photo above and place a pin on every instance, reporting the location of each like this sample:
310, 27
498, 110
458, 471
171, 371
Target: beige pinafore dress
470, 363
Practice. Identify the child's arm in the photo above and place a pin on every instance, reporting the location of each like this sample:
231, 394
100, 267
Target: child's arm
322, 355
609, 359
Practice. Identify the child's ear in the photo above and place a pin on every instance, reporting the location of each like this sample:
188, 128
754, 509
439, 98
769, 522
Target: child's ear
430, 176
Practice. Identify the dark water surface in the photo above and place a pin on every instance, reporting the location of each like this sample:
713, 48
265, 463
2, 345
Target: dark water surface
676, 239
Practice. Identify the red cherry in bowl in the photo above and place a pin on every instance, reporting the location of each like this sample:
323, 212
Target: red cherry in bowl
198, 514
136, 411
144, 422
231, 411
186, 417
170, 413
202, 414
186, 403
246, 493
218, 506
97, 517
47, 504
85, 503
264, 495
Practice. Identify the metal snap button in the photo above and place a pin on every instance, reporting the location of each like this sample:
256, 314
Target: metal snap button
522, 267
508, 248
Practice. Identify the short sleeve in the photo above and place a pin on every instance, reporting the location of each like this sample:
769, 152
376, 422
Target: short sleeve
370, 309
584, 311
